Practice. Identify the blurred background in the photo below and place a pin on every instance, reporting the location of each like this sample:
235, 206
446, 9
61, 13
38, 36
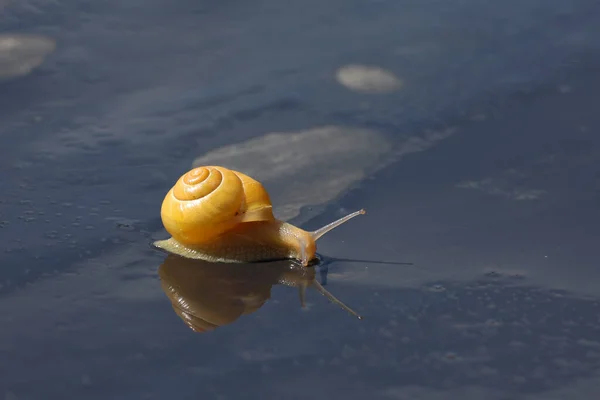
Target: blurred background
468, 131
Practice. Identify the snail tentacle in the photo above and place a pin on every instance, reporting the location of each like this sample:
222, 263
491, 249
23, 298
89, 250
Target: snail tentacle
323, 230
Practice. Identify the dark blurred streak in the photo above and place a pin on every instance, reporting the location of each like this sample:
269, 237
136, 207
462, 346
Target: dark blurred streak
329, 260
325, 262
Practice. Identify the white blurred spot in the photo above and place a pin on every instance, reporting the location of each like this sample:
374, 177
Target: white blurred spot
20, 54
367, 79
303, 168
503, 187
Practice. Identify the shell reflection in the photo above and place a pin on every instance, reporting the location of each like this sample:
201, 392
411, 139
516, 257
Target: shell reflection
209, 295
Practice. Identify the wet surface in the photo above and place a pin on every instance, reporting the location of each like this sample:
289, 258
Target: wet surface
471, 141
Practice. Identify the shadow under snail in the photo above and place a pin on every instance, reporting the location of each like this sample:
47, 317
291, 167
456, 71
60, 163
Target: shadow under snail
220, 215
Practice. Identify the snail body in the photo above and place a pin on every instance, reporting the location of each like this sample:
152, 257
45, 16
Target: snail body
220, 215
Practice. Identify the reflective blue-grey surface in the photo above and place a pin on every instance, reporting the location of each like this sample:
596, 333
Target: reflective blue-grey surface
468, 130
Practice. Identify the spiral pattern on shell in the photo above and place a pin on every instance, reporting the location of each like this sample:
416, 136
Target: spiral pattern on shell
209, 200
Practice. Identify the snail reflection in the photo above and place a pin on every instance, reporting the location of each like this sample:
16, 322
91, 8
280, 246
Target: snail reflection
209, 295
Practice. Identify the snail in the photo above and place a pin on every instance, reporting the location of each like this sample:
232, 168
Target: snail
206, 298
217, 214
